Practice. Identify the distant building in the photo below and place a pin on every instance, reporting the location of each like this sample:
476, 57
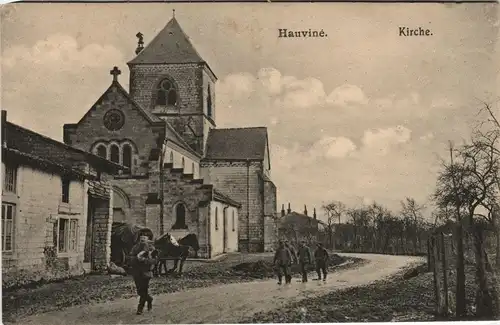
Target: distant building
296, 227
56, 207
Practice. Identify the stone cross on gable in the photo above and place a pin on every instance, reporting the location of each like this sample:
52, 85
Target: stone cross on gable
115, 73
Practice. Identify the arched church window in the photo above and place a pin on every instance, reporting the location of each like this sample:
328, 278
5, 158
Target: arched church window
180, 217
209, 103
102, 151
166, 93
115, 153
127, 155
216, 218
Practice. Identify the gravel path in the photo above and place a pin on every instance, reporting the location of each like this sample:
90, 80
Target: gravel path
226, 303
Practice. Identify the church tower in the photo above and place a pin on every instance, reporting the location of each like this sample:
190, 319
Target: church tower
170, 79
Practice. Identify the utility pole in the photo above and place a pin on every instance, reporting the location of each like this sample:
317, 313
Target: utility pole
460, 293
161, 196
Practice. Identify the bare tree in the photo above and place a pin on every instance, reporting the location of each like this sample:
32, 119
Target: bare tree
334, 211
467, 184
412, 211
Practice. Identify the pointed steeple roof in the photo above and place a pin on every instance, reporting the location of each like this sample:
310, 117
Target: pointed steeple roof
171, 45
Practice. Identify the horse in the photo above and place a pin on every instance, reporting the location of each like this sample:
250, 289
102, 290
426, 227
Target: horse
168, 247
123, 237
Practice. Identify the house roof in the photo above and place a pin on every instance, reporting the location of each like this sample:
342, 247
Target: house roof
237, 144
299, 218
219, 196
170, 45
175, 137
32, 145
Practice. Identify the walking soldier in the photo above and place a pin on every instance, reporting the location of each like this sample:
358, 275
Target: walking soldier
321, 258
282, 261
304, 259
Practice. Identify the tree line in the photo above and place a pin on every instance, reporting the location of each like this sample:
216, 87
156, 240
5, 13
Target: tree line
376, 229
465, 203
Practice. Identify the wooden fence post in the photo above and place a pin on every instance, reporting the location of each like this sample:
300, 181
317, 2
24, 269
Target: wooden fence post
429, 259
435, 273
445, 274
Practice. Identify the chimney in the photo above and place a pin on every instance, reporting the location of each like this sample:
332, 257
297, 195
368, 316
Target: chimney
289, 210
282, 210
314, 214
140, 43
4, 128
305, 209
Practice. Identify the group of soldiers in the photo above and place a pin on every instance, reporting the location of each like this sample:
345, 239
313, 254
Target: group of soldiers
286, 255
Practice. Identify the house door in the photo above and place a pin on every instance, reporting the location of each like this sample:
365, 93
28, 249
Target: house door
224, 231
89, 237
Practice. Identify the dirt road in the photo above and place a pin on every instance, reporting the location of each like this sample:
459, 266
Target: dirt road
226, 303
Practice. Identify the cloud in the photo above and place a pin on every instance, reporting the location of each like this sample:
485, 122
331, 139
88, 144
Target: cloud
346, 95
332, 147
55, 81
427, 137
62, 52
381, 140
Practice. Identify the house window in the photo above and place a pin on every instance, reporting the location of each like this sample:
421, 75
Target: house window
166, 93
180, 217
232, 217
192, 168
115, 154
127, 155
67, 235
216, 218
10, 178
209, 103
171, 157
102, 151
183, 163
8, 215
65, 190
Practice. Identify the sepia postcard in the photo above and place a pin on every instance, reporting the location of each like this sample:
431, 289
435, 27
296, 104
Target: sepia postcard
250, 162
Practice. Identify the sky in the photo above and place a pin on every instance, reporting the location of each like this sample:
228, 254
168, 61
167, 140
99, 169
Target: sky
359, 116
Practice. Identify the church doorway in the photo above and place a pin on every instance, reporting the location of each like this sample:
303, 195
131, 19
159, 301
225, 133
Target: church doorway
121, 206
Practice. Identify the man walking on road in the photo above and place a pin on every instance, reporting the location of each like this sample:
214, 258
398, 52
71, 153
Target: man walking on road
282, 261
142, 262
321, 257
304, 259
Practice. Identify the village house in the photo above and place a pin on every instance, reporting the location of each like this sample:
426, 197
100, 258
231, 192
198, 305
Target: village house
296, 227
185, 175
56, 208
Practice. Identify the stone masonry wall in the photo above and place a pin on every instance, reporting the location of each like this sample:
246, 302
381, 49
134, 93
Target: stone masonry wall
189, 81
179, 188
136, 129
136, 190
270, 209
230, 178
38, 207
102, 235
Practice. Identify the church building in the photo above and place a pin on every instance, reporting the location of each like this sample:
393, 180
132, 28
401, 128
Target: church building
184, 174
